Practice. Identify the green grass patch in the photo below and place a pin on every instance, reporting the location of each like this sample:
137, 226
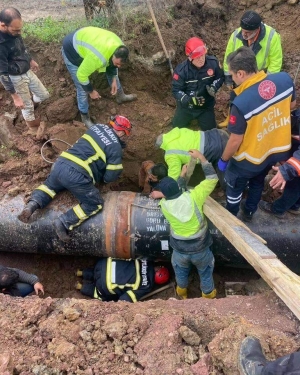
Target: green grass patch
50, 30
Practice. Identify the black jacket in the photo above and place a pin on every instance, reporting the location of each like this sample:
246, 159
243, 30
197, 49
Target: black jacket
97, 154
14, 59
189, 81
123, 280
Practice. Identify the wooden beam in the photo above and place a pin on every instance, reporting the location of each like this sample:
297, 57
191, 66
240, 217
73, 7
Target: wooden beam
281, 279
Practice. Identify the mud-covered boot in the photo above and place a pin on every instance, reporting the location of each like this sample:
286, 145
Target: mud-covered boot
61, 230
85, 118
28, 210
33, 126
181, 292
210, 295
251, 358
121, 97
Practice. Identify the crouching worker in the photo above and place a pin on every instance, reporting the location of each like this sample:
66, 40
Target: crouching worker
150, 174
18, 283
121, 279
95, 157
190, 237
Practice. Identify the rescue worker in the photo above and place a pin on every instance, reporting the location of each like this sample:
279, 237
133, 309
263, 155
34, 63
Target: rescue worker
121, 279
190, 238
177, 143
287, 179
252, 360
17, 68
92, 49
260, 127
194, 86
18, 283
95, 157
264, 41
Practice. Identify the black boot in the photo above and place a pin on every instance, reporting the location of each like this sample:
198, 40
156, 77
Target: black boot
28, 210
61, 230
251, 358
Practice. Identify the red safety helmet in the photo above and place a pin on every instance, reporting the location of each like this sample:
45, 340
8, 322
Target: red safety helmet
195, 47
120, 123
162, 275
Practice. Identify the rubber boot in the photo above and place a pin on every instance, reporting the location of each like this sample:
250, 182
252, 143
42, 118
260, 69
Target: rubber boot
181, 292
210, 295
28, 210
251, 359
61, 230
121, 97
85, 118
33, 126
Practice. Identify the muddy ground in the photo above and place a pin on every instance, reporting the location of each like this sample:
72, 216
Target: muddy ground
64, 334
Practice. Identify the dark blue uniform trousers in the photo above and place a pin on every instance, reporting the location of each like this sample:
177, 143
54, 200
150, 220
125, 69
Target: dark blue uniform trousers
65, 177
236, 183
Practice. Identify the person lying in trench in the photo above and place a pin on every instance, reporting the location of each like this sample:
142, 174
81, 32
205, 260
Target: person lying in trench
18, 283
115, 279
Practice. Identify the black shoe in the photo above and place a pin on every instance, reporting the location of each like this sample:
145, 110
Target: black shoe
251, 358
267, 207
61, 230
246, 215
28, 210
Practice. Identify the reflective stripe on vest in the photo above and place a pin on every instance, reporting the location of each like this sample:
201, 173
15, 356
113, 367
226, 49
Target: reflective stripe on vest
186, 153
268, 46
272, 32
111, 277
46, 190
77, 43
99, 154
295, 163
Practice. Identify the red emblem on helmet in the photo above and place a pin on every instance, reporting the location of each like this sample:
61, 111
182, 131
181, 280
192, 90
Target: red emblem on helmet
210, 72
267, 89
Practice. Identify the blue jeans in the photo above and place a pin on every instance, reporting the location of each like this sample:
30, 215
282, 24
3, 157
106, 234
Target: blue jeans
203, 261
82, 96
65, 177
24, 289
235, 186
290, 197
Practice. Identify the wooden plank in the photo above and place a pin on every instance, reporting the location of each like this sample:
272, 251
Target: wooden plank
281, 279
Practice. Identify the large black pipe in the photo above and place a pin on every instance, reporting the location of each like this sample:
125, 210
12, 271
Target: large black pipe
132, 225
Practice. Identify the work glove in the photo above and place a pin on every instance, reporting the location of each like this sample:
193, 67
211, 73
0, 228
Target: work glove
222, 164
211, 90
197, 100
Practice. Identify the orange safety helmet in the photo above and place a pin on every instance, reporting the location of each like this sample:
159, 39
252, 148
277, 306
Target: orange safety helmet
162, 275
120, 123
195, 47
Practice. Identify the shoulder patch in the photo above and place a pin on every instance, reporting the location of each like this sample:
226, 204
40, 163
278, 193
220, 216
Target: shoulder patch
267, 89
175, 76
232, 120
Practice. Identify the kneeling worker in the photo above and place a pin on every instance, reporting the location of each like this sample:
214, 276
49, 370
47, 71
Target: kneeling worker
121, 279
95, 157
190, 238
